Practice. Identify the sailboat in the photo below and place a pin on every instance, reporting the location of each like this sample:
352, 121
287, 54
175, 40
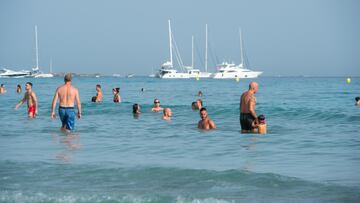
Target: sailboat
193, 72
167, 69
232, 71
36, 73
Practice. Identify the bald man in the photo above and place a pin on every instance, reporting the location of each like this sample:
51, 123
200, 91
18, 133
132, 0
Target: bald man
167, 114
247, 108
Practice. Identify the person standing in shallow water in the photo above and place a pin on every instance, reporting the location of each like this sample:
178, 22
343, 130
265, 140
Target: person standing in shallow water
116, 92
68, 95
2, 89
99, 94
31, 99
247, 109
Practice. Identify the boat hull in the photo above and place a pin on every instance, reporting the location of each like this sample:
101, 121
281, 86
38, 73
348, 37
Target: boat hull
234, 75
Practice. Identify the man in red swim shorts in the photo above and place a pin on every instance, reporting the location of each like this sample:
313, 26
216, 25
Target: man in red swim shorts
31, 99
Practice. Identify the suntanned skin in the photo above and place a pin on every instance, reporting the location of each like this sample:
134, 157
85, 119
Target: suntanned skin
248, 101
2, 90
68, 95
206, 123
167, 114
31, 99
156, 107
99, 94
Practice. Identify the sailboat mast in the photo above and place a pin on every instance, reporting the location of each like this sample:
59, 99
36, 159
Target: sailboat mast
36, 47
241, 48
170, 42
206, 47
50, 65
192, 51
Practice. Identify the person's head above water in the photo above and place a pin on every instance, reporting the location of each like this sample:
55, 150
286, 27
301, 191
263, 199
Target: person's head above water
116, 89
357, 99
68, 77
98, 86
261, 119
136, 108
253, 86
203, 113
156, 102
167, 112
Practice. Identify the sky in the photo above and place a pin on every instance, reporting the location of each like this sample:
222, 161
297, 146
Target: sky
281, 37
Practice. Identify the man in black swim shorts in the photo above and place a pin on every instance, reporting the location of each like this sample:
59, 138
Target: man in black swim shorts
247, 108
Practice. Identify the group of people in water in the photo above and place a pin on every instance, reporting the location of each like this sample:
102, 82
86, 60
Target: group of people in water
68, 96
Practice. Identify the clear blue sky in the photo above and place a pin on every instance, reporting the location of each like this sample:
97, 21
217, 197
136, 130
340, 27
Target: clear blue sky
281, 37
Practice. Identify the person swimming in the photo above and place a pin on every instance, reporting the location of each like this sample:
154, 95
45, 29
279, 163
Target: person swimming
357, 99
167, 114
2, 89
116, 92
18, 89
99, 94
205, 123
136, 109
156, 107
194, 106
200, 94
199, 103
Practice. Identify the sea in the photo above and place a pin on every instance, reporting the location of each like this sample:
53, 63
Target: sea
311, 152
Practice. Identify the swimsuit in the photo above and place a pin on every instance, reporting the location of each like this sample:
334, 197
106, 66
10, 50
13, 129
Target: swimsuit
246, 120
116, 98
32, 110
67, 117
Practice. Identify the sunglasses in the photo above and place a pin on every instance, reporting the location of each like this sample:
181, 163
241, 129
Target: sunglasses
156, 102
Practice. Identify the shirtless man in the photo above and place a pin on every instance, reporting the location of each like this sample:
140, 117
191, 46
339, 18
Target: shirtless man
167, 114
2, 89
31, 99
99, 94
247, 109
68, 95
156, 107
205, 123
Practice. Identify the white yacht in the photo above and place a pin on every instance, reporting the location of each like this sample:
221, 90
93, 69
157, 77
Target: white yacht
167, 69
16, 74
36, 73
232, 71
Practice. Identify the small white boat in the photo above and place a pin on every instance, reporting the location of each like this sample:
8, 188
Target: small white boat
130, 75
232, 71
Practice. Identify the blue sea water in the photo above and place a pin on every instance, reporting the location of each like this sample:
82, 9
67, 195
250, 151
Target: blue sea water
310, 154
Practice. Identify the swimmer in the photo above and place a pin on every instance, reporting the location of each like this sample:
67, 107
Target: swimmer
199, 103
260, 128
68, 95
99, 94
194, 106
2, 89
167, 114
200, 94
357, 99
156, 107
116, 92
31, 99
205, 123
18, 89
136, 109
247, 109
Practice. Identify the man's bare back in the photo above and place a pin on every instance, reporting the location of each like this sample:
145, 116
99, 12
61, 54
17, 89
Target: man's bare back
67, 95
248, 100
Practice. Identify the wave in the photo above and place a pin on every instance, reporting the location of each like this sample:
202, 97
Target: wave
44, 182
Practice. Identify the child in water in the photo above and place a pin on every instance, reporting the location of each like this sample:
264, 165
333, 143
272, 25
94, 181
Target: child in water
260, 128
